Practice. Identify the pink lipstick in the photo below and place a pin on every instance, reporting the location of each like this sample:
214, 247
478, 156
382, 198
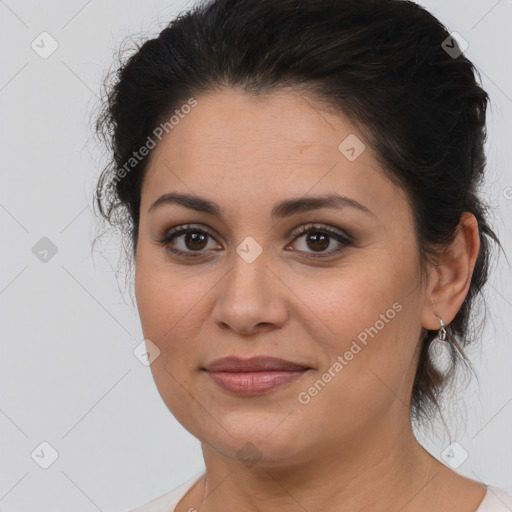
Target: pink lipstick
254, 376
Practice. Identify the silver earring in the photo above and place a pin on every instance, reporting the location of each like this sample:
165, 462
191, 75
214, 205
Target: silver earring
439, 350
441, 335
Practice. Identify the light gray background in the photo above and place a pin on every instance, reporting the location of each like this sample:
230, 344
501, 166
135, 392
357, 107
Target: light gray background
68, 375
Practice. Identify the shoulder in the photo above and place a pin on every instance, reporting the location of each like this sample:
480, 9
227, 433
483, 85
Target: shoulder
169, 500
496, 500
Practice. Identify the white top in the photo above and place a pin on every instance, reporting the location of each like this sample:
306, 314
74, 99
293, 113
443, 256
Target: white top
495, 500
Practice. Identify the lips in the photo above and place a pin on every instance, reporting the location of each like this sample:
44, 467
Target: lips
254, 364
254, 376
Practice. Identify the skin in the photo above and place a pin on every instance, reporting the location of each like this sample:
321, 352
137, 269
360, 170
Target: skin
351, 447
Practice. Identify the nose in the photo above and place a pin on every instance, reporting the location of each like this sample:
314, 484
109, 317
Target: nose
251, 298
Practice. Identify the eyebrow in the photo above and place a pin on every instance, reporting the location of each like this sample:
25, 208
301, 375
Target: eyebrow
281, 210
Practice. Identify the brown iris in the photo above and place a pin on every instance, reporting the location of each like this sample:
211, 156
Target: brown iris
318, 238
196, 241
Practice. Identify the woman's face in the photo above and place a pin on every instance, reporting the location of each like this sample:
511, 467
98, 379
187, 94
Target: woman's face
349, 311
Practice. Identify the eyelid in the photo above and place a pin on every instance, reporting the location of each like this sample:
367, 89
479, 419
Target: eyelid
341, 236
323, 228
183, 229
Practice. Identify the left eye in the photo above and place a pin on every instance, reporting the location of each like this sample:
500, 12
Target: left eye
317, 238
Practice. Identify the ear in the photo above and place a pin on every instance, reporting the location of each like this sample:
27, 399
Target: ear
450, 278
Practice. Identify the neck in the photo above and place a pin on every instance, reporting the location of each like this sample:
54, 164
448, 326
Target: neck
381, 468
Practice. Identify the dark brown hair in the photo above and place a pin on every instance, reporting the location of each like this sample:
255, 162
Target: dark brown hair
388, 65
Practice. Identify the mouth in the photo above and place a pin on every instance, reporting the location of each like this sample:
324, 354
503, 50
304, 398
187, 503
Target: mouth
254, 376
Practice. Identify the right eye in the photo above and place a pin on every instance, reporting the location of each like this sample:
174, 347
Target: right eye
194, 240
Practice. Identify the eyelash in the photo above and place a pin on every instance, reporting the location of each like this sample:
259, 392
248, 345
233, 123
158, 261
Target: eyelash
345, 240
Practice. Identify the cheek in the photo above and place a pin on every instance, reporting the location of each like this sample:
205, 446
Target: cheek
368, 316
166, 307
347, 305
368, 362
171, 307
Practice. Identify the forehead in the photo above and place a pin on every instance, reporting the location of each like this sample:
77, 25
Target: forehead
233, 124
239, 147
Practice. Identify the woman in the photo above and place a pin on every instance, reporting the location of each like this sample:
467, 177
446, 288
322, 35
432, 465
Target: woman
298, 181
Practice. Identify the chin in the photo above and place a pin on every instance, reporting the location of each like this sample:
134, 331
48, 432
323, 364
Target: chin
254, 443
